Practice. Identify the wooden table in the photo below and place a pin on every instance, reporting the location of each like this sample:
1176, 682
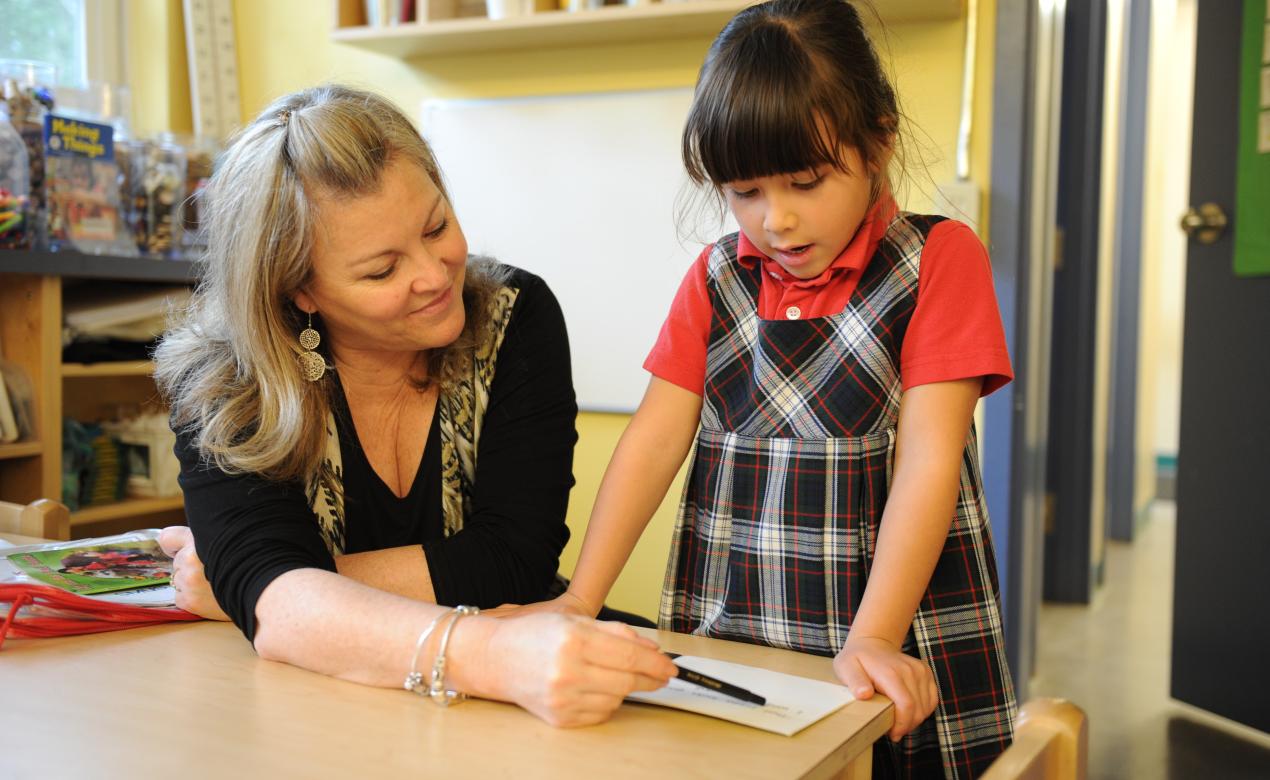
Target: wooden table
192, 700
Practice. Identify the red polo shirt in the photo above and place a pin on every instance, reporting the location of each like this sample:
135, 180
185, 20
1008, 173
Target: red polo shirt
955, 331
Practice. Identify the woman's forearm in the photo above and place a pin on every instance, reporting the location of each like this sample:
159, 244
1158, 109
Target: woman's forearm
400, 570
566, 670
327, 623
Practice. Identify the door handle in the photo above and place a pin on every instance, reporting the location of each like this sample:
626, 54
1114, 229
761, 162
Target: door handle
1205, 225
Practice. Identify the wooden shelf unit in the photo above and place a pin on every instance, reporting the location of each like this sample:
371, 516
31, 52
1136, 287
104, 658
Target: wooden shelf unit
444, 29
130, 507
108, 369
31, 335
82, 266
20, 449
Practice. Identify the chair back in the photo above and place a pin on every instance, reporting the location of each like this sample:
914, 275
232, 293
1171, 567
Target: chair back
42, 518
1051, 742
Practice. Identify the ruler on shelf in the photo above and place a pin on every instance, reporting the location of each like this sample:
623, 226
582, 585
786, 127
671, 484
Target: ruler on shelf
213, 61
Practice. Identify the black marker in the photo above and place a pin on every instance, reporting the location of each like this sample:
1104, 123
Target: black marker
718, 686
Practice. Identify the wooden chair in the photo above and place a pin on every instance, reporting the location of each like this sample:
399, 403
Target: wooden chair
42, 518
1051, 742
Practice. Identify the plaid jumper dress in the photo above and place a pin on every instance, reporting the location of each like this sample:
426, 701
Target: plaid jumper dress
780, 515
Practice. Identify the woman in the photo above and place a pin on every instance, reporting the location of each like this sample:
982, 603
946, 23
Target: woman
339, 372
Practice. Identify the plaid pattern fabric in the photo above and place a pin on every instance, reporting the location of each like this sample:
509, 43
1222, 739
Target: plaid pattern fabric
790, 474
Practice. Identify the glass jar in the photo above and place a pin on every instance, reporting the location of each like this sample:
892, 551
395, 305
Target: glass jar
15, 186
26, 86
97, 101
155, 190
200, 158
29, 73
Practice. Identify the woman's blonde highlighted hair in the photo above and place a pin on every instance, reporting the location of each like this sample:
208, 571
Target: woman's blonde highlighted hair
230, 367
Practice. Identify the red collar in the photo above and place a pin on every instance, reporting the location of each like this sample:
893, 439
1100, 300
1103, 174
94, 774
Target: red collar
853, 258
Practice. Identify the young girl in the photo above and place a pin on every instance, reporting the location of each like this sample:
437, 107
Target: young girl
832, 353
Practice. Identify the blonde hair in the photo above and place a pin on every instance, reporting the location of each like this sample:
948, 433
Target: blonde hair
230, 369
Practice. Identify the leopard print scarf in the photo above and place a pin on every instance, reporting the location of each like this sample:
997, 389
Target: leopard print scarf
461, 409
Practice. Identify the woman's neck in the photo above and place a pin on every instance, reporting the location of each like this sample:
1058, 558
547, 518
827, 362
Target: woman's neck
377, 375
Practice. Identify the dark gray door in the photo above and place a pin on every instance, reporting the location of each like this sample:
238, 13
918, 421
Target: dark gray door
1221, 613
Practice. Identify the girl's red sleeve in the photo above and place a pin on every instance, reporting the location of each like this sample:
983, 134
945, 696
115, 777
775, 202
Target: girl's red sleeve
679, 356
955, 331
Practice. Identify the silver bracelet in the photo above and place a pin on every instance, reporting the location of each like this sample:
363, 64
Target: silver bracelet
437, 691
414, 680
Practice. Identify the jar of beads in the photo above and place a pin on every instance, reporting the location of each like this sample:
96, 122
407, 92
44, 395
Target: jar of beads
156, 189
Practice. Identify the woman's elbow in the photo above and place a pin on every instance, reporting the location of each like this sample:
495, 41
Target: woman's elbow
269, 643
276, 619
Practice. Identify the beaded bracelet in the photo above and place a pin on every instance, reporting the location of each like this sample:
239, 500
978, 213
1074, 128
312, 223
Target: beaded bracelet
414, 680
437, 691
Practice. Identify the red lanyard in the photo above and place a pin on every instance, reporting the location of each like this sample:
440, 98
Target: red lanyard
54, 612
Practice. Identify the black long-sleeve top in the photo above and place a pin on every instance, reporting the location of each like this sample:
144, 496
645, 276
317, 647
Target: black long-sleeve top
249, 530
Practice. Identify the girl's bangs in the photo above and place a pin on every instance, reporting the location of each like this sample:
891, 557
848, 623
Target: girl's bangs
755, 133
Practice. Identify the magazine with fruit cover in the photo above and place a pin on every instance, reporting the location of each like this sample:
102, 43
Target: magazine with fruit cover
88, 567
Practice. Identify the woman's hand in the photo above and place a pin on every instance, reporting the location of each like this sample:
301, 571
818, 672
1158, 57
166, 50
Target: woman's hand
193, 593
571, 671
866, 664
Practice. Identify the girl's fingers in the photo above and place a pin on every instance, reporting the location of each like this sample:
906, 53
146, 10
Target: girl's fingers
890, 681
854, 677
932, 698
907, 681
904, 712
925, 694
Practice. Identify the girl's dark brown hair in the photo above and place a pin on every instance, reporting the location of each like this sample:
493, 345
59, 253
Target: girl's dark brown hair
785, 86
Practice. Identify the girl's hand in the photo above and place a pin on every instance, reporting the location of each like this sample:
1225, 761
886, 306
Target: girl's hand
564, 604
572, 671
193, 593
866, 664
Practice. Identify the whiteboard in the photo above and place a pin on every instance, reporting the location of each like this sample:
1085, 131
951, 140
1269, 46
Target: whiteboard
583, 191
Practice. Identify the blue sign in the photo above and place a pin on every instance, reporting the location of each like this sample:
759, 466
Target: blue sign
66, 137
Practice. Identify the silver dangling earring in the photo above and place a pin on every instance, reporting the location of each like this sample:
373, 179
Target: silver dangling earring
312, 365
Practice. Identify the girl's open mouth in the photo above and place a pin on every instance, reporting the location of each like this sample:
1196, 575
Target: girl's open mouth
794, 253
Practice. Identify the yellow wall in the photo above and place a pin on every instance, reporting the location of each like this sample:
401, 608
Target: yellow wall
639, 587
284, 45
156, 67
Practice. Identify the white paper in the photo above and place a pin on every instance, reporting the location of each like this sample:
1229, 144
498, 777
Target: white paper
793, 703
153, 596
